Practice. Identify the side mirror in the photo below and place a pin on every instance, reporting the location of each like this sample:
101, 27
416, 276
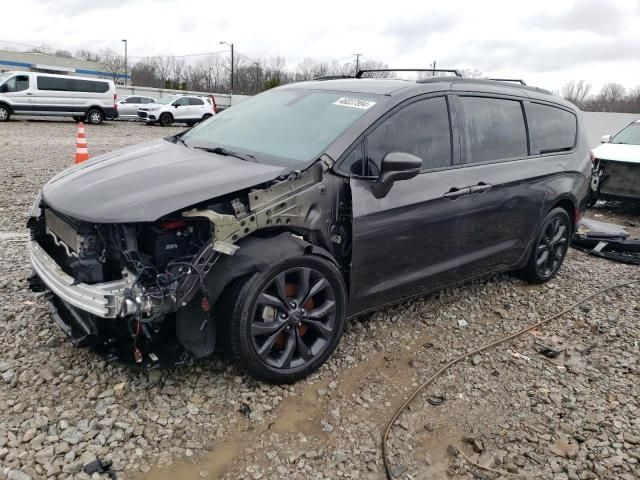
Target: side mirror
4, 88
395, 166
605, 139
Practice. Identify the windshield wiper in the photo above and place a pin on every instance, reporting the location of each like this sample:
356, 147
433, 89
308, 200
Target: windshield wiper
229, 153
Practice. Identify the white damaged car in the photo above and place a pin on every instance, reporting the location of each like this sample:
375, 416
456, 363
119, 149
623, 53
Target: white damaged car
616, 170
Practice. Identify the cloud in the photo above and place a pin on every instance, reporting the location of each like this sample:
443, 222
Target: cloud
537, 57
410, 33
595, 16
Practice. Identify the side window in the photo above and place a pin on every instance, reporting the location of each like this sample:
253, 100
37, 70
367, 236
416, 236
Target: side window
132, 100
54, 83
421, 128
195, 101
493, 129
182, 102
17, 83
552, 129
146, 100
100, 87
354, 162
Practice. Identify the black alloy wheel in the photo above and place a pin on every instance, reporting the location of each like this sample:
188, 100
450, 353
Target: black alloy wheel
550, 247
294, 318
286, 322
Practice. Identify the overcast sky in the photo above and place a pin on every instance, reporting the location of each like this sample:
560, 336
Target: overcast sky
546, 42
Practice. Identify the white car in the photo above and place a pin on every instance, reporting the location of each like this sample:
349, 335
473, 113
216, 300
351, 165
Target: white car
128, 106
189, 109
616, 171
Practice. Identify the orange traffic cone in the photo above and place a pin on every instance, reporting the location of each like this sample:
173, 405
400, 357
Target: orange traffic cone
82, 152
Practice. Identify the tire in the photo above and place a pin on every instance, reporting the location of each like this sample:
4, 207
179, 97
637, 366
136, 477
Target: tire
206, 116
550, 247
94, 116
5, 113
166, 119
282, 342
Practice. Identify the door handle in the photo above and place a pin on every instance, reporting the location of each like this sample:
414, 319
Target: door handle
29, 94
455, 192
480, 187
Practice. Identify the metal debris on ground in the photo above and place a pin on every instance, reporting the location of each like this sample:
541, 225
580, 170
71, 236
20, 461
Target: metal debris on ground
100, 466
606, 240
547, 351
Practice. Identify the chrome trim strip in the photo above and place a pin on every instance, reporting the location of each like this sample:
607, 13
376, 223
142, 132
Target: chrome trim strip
102, 299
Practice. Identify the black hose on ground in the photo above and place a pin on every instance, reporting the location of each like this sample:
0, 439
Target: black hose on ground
419, 389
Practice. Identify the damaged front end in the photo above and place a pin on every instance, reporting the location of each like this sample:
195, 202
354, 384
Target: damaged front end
144, 293
614, 180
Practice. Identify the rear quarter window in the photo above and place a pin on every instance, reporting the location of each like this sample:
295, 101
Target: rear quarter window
493, 129
551, 129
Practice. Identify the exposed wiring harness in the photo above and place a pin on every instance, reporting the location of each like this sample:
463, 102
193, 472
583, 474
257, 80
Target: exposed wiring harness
429, 380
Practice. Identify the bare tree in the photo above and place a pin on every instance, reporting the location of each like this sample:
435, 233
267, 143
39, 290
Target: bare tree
163, 69
611, 93
145, 73
113, 63
575, 92
87, 56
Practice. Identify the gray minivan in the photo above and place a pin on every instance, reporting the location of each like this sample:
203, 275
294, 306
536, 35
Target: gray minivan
33, 93
262, 230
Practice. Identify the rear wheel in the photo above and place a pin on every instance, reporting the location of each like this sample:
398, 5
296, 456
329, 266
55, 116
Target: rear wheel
285, 322
166, 119
550, 247
5, 113
95, 116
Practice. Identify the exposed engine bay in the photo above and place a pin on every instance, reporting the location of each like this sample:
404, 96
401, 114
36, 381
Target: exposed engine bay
130, 290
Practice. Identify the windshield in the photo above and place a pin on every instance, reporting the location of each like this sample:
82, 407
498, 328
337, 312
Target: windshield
629, 135
165, 100
291, 126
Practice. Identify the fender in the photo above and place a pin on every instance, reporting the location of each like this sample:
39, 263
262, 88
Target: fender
257, 254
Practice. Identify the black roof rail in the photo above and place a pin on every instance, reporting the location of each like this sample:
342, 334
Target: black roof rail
514, 80
434, 70
332, 77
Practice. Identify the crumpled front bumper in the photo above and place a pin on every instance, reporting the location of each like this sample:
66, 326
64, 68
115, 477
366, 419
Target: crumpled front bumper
103, 299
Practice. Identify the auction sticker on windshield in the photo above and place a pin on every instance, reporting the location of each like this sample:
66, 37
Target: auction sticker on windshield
354, 103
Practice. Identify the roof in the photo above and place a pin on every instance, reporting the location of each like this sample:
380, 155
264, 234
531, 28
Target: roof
380, 86
390, 86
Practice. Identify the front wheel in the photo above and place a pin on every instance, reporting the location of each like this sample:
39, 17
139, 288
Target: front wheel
549, 248
5, 113
285, 322
166, 119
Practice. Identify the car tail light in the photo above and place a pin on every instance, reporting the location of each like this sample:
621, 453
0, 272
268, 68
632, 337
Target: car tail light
115, 101
593, 156
213, 100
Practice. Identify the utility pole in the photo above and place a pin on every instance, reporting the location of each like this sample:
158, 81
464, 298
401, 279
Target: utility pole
125, 61
358, 55
230, 45
210, 79
257, 76
433, 74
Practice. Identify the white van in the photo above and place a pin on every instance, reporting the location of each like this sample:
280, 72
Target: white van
31, 93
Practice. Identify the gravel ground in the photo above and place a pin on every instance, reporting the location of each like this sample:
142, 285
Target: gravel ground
510, 412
